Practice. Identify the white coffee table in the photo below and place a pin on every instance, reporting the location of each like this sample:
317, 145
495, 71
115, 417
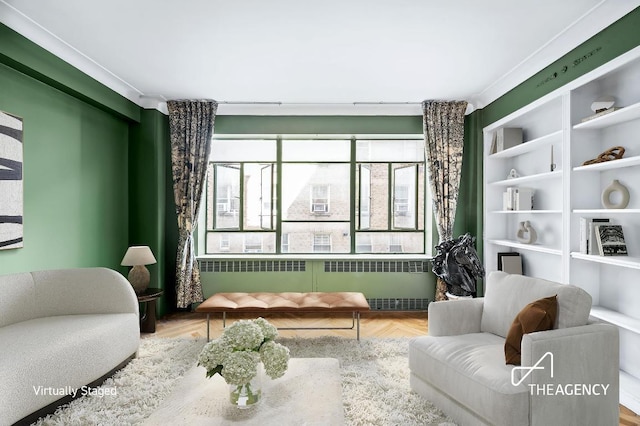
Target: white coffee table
310, 393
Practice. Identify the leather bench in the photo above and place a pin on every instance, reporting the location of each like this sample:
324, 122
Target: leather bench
289, 302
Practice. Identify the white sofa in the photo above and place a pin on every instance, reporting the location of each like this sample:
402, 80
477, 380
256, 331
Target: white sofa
460, 366
61, 329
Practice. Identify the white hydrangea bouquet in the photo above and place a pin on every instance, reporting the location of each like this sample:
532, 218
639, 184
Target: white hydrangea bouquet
237, 353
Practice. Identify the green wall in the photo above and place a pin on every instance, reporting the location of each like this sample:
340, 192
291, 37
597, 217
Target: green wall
315, 278
148, 148
75, 179
321, 124
95, 168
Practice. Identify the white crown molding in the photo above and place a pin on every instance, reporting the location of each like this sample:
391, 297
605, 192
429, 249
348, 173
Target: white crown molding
591, 23
23, 25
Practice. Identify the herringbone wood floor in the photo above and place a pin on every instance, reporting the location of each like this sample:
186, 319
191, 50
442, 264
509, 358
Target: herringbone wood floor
374, 324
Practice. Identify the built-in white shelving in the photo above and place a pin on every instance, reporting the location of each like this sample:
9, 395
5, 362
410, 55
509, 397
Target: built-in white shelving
529, 247
606, 211
609, 165
613, 317
555, 133
528, 179
622, 261
529, 146
629, 391
527, 211
623, 115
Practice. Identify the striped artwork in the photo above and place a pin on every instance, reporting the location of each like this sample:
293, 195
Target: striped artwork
11, 205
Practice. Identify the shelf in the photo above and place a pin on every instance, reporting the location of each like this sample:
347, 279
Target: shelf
528, 146
530, 178
609, 165
606, 211
629, 113
616, 318
527, 211
630, 391
622, 261
531, 247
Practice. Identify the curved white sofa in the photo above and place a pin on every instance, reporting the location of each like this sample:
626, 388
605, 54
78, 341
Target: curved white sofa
61, 329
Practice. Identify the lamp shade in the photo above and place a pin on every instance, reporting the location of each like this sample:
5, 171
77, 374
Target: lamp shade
138, 255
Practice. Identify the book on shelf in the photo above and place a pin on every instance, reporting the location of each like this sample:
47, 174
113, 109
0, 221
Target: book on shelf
610, 240
601, 113
587, 234
518, 199
508, 137
494, 143
592, 246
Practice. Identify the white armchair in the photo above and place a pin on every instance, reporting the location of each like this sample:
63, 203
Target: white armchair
460, 366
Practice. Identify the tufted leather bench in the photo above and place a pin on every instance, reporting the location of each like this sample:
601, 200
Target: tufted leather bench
286, 303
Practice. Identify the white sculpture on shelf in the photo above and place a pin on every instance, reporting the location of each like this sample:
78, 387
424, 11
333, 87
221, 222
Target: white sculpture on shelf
526, 234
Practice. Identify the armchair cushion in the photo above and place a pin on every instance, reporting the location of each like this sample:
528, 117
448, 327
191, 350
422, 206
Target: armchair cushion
471, 366
506, 295
536, 316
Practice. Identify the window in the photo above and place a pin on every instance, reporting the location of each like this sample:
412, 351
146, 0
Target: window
225, 242
320, 199
395, 243
322, 243
252, 243
301, 196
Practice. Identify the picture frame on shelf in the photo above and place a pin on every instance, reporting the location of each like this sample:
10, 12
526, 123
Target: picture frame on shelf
510, 262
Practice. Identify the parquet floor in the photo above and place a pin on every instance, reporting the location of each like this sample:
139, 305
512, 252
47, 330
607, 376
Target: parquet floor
373, 324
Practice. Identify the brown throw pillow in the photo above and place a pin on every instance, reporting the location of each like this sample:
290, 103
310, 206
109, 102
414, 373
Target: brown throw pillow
536, 316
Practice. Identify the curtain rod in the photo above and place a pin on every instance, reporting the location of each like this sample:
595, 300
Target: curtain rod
161, 98
316, 103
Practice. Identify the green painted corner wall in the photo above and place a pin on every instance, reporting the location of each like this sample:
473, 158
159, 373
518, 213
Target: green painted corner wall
147, 195
618, 38
75, 179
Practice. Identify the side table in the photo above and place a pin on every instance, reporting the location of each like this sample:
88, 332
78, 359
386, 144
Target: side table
148, 319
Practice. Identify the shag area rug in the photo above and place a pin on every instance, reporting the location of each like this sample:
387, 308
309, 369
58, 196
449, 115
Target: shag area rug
375, 383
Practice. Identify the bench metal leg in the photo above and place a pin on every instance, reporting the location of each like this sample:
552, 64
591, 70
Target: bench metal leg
355, 323
208, 317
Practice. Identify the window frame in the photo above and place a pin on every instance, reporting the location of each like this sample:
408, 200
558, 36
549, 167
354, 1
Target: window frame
353, 221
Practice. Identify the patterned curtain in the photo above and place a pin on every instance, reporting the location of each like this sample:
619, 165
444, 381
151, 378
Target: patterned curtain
191, 128
444, 139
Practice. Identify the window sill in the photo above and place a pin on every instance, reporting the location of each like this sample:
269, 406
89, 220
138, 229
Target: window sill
319, 256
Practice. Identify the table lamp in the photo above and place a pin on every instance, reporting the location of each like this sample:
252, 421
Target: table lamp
138, 257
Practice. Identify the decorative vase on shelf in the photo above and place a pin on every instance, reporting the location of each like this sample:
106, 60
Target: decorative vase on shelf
249, 394
526, 234
615, 186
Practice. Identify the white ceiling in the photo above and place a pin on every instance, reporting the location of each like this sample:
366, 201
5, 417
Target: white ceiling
321, 55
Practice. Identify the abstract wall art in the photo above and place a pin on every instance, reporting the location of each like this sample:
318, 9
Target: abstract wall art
11, 185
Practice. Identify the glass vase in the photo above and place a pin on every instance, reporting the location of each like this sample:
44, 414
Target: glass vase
248, 394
